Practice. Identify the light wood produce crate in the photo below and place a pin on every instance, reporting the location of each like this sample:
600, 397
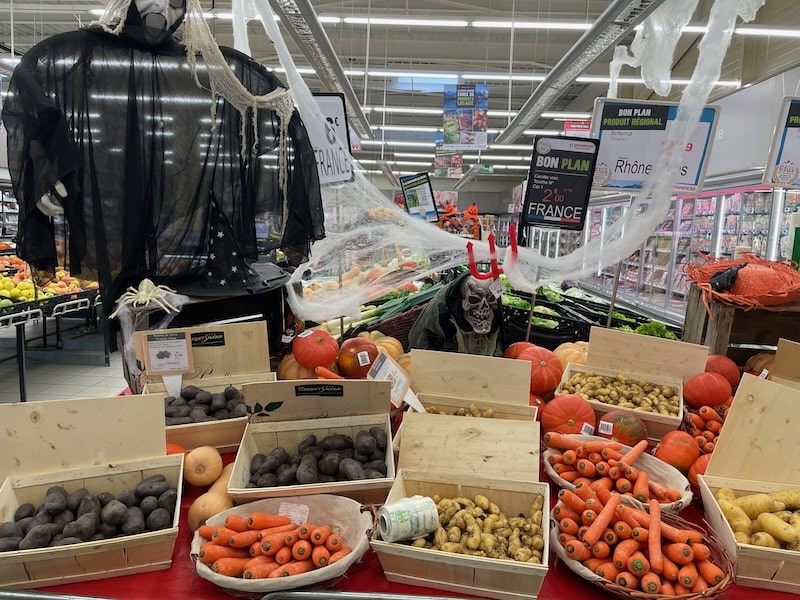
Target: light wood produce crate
756, 452
225, 434
453, 456
655, 360
283, 413
450, 381
786, 368
85, 443
233, 354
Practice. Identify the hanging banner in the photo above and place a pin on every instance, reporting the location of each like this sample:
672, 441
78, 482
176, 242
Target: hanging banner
559, 182
334, 162
631, 136
578, 128
783, 164
466, 116
447, 163
418, 194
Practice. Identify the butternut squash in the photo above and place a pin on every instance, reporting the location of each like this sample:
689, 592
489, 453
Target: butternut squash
213, 502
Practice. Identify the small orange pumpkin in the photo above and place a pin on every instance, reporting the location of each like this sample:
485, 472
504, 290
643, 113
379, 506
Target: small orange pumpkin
404, 360
391, 345
572, 352
289, 368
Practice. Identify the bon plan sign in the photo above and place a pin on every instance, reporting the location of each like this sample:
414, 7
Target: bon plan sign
783, 163
631, 136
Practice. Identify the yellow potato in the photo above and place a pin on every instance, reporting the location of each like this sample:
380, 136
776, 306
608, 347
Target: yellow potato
738, 519
778, 528
756, 504
762, 538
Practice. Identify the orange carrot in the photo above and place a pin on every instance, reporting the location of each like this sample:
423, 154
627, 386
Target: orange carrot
293, 568
340, 554
601, 550
669, 570
700, 586
586, 467
701, 551
696, 420
714, 426
592, 563
563, 538
629, 472
687, 574
568, 525
680, 589
320, 534
667, 589
638, 563
623, 552
602, 521
707, 413
622, 529
709, 435
615, 472
304, 530
561, 441
255, 549
608, 570
609, 537
576, 550
595, 457
244, 539
570, 476
708, 447
565, 512
641, 491
291, 537
207, 531
260, 520
654, 538
601, 468
603, 489
600, 445
570, 457
585, 491
710, 572
278, 529
679, 553
236, 522
320, 556
229, 566
564, 467
674, 534
594, 504
210, 552
581, 531
627, 580
640, 534
284, 555
334, 543
222, 535
301, 550
270, 544
623, 485
326, 373
635, 452
650, 583
609, 453
588, 516
572, 500
259, 570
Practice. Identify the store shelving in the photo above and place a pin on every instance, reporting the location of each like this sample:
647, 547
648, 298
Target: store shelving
9, 214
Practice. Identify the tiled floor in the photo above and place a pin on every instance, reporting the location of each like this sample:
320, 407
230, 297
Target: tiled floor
53, 381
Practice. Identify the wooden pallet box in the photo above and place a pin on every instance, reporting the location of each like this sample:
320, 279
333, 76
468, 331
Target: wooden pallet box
283, 413
453, 456
450, 381
756, 452
84, 443
655, 360
234, 354
786, 368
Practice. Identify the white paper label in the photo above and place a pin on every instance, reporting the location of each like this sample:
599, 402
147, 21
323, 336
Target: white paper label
497, 288
305, 333
363, 358
587, 429
298, 513
168, 352
764, 374
386, 369
605, 427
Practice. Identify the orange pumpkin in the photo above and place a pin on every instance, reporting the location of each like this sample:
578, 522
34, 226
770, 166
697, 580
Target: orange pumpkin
315, 348
719, 363
572, 352
706, 389
391, 345
545, 369
568, 413
515, 349
404, 360
289, 368
679, 449
698, 468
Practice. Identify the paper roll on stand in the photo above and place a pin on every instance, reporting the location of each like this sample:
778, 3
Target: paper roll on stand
408, 518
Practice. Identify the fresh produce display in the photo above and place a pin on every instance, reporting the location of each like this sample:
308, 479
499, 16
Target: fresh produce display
202, 466
479, 527
624, 392
65, 518
567, 413
768, 519
472, 411
315, 347
289, 368
334, 457
706, 389
621, 426
578, 461
572, 352
705, 424
391, 345
356, 356
212, 502
264, 545
196, 405
606, 540
17, 285
679, 449
719, 363
655, 329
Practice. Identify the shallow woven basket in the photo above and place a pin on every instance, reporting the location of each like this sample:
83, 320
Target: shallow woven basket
657, 470
782, 286
718, 556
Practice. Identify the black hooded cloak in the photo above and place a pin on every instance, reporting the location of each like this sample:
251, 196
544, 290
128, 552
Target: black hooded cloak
125, 127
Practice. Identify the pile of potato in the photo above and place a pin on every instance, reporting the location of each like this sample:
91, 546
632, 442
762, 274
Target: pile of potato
472, 411
478, 527
771, 520
72, 518
196, 405
625, 392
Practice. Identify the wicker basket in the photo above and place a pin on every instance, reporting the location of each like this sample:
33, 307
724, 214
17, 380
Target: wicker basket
399, 326
718, 556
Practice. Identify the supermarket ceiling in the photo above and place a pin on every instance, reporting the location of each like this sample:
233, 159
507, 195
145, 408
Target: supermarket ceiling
397, 55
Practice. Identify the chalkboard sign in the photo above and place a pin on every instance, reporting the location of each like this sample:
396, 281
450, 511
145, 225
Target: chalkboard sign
559, 182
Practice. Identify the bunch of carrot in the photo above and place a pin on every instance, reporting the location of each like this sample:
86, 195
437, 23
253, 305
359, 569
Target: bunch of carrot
263, 545
606, 464
633, 548
705, 424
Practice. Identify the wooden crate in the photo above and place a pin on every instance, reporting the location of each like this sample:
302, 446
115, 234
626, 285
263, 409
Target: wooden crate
235, 353
785, 369
657, 360
728, 325
85, 443
451, 381
283, 413
757, 452
226, 434
499, 459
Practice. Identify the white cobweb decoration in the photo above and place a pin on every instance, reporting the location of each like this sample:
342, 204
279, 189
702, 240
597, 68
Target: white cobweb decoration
373, 246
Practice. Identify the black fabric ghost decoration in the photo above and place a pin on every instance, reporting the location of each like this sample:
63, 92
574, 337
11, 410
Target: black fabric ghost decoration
121, 122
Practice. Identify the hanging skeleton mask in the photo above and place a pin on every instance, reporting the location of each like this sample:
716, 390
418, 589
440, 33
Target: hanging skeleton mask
159, 20
479, 304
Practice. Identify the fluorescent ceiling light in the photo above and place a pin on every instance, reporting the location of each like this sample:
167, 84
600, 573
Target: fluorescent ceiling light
405, 22
526, 147
500, 77
414, 74
399, 144
408, 128
638, 80
566, 115
407, 110
551, 25
767, 32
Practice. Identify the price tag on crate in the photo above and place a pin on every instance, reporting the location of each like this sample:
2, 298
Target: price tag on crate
385, 368
169, 354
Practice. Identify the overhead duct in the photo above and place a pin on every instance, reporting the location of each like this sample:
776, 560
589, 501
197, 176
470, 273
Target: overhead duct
300, 20
617, 21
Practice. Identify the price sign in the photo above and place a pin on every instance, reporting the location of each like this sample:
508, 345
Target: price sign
334, 162
168, 353
384, 368
559, 182
783, 164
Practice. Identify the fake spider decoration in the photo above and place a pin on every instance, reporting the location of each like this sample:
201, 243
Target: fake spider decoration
142, 296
